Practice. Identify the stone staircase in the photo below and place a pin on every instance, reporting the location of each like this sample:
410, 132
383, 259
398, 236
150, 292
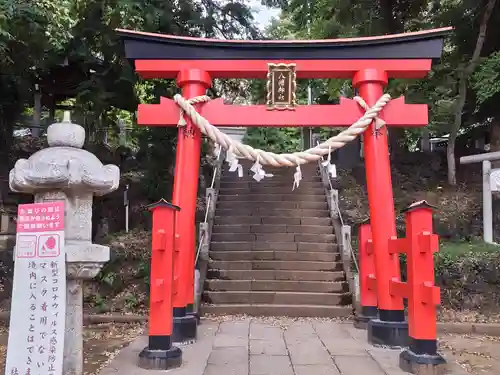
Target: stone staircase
274, 251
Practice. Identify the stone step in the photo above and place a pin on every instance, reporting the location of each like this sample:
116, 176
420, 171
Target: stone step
260, 189
273, 237
272, 228
277, 285
279, 310
274, 220
276, 275
276, 298
275, 246
284, 184
275, 265
271, 212
272, 205
275, 255
276, 197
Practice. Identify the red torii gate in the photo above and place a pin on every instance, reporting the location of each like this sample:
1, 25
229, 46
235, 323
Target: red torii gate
369, 62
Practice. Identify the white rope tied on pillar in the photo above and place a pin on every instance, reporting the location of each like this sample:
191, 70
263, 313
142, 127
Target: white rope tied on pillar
379, 123
192, 101
295, 159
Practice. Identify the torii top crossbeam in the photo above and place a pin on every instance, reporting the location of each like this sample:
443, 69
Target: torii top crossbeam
328, 58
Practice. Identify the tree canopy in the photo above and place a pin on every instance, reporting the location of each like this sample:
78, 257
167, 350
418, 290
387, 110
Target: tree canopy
68, 53
462, 89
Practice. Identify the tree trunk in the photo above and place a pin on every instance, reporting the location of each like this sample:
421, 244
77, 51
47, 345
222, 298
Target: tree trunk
463, 79
6, 140
393, 24
37, 113
495, 134
396, 136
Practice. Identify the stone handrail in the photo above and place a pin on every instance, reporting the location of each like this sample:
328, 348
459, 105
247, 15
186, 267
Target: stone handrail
205, 230
342, 232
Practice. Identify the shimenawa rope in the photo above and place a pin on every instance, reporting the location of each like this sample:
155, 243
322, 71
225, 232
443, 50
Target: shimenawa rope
236, 149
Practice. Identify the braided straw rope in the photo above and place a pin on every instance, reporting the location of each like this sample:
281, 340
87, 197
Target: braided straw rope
241, 150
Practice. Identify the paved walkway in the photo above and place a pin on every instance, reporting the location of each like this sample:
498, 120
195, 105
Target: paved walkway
258, 346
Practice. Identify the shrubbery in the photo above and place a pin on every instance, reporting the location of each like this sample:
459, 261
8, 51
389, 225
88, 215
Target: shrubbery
469, 276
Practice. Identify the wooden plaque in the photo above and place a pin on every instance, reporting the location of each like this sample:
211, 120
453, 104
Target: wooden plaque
281, 85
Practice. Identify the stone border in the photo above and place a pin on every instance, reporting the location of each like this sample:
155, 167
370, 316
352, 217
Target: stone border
95, 318
489, 329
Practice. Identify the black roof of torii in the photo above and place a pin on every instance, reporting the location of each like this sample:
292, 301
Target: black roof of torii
426, 44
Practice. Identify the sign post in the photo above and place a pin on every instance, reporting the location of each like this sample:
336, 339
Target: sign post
126, 204
38, 311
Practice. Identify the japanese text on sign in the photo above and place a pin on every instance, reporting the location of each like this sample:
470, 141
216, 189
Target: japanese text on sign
37, 322
40, 219
281, 86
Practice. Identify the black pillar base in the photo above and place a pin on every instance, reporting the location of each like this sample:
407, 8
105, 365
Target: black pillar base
191, 312
391, 330
184, 331
366, 314
151, 359
196, 316
421, 358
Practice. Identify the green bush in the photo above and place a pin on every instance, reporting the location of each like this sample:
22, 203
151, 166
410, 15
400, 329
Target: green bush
468, 274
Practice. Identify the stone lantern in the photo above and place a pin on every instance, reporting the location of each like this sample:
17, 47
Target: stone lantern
64, 171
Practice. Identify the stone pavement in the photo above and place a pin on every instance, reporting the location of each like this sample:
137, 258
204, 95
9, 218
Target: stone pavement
273, 346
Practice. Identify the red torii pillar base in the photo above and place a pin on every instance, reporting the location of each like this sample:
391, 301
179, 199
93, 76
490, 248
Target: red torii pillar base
161, 358
389, 333
416, 359
194, 314
366, 314
185, 326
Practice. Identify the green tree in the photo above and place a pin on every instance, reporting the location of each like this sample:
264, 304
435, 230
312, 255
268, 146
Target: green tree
306, 19
456, 101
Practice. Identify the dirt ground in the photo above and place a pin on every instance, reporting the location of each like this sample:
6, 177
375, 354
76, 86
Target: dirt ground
478, 355
101, 343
